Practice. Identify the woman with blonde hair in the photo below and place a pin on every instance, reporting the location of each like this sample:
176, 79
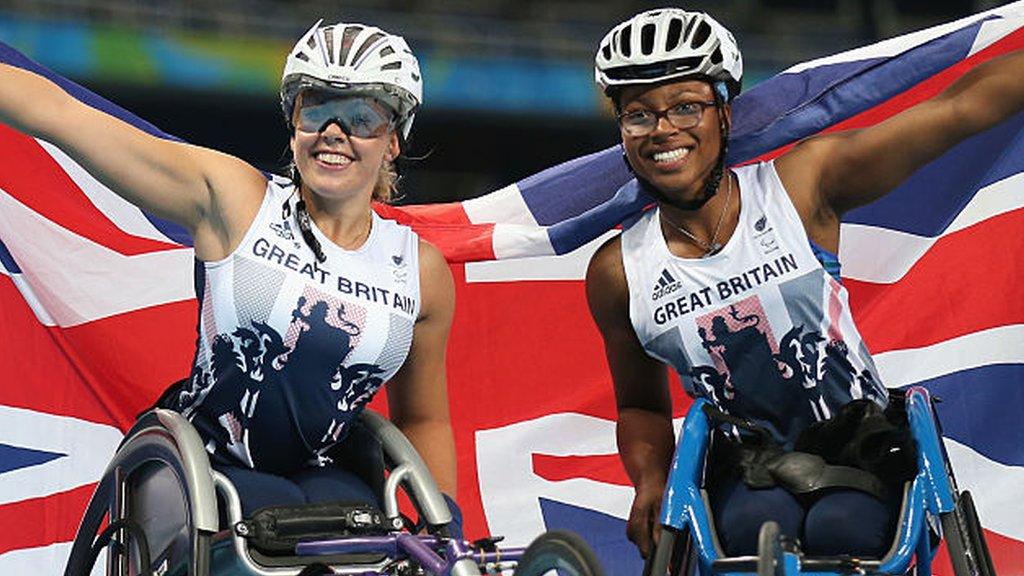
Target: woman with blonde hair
309, 301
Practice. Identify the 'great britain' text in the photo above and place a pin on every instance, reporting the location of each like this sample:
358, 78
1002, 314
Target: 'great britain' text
724, 290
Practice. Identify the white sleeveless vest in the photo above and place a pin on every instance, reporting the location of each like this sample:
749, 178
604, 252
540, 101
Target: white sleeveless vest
760, 328
289, 349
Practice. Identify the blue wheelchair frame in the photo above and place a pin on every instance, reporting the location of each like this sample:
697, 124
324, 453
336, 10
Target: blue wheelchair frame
930, 499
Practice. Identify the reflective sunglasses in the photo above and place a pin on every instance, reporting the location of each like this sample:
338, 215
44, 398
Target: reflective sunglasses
683, 116
359, 116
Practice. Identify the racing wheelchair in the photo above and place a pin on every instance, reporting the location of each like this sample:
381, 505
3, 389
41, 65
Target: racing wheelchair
932, 509
155, 513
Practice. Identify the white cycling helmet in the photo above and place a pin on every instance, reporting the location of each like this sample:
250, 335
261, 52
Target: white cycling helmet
668, 43
355, 58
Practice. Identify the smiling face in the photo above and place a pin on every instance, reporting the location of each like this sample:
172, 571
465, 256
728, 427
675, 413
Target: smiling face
335, 165
675, 161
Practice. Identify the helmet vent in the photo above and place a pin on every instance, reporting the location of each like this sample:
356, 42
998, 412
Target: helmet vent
392, 66
647, 39
689, 27
302, 56
716, 56
415, 76
665, 44
701, 35
347, 39
367, 45
311, 42
329, 41
387, 51
675, 30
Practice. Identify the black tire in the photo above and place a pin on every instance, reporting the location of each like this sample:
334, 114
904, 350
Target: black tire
558, 552
768, 549
978, 548
956, 544
673, 556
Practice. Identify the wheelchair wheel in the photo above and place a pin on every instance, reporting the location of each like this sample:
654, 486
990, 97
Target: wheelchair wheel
558, 553
965, 540
768, 549
673, 556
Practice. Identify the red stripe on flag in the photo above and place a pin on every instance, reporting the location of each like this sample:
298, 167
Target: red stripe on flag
917, 94
1007, 556
448, 213
973, 293
605, 468
467, 243
104, 371
46, 379
43, 521
447, 227
36, 180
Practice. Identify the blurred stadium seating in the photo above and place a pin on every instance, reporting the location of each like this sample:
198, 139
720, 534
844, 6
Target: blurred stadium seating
508, 82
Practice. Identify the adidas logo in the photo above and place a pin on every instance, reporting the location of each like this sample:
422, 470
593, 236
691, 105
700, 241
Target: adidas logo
665, 285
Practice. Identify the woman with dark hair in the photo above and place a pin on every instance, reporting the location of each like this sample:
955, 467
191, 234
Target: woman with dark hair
732, 280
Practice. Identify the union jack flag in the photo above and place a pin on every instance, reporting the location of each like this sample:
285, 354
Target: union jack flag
98, 311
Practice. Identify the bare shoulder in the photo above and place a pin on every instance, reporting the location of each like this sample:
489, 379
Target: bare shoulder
432, 261
803, 171
231, 180
800, 169
606, 263
607, 290
437, 286
235, 192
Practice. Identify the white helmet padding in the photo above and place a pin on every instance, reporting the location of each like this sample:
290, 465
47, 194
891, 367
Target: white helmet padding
668, 43
355, 58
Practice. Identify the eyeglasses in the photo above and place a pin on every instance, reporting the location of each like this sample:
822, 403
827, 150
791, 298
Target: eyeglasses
643, 122
359, 116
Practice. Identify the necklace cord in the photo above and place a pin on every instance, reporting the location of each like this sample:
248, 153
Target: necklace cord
710, 247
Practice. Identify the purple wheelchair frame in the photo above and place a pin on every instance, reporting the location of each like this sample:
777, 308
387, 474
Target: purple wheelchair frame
160, 484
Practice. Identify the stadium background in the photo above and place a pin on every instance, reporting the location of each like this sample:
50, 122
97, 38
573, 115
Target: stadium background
508, 83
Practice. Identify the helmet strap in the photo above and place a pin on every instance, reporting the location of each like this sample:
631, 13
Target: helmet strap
714, 180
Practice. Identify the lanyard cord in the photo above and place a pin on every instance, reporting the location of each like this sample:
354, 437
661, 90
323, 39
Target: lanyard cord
305, 227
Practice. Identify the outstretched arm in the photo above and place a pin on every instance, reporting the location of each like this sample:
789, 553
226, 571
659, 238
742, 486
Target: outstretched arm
208, 192
644, 429
418, 393
837, 172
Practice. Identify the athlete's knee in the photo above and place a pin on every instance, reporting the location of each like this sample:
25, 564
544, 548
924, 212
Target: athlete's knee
259, 489
848, 522
329, 483
740, 511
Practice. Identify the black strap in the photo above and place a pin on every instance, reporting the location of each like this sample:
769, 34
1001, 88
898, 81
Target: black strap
717, 415
802, 473
276, 530
764, 463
